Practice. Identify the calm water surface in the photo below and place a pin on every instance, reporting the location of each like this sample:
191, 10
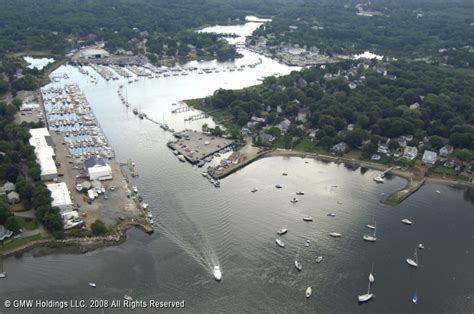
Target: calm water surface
200, 226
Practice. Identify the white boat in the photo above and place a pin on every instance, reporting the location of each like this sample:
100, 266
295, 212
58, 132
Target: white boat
369, 237
308, 292
438, 191
413, 261
217, 273
379, 179
370, 227
407, 221
175, 152
335, 234
414, 299
308, 218
294, 200
280, 243
254, 190
278, 186
365, 297
282, 231
92, 284
135, 189
298, 265
307, 243
331, 215
144, 206
127, 297
319, 259
300, 193
371, 275
421, 246
181, 158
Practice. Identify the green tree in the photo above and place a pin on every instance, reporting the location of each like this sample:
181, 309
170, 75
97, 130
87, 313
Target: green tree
12, 224
98, 228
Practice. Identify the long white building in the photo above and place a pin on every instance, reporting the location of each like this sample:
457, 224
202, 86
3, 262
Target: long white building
44, 151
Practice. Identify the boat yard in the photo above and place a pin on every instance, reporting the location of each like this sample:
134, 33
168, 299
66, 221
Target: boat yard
196, 147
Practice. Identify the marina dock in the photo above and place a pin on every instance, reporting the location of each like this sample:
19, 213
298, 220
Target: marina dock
196, 146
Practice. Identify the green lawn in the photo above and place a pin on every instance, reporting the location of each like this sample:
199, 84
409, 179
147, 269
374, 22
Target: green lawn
27, 223
9, 245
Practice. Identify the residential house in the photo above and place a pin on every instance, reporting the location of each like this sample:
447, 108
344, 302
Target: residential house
13, 197
8, 187
410, 152
303, 115
429, 157
4, 233
453, 162
284, 125
446, 150
340, 148
265, 139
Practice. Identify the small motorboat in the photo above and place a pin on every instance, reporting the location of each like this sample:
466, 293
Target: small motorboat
307, 243
438, 191
280, 243
127, 297
217, 273
135, 189
284, 174
254, 190
331, 215
278, 186
294, 200
407, 221
307, 218
282, 231
379, 179
335, 234
308, 292
319, 259
145, 206
300, 193
414, 299
421, 246
370, 227
92, 284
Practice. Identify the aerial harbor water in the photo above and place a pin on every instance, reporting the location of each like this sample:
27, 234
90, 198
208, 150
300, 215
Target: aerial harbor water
200, 226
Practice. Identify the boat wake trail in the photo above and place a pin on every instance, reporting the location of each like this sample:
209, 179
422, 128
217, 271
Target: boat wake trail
188, 236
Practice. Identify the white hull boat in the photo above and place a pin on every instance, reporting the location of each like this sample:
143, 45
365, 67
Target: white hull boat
308, 218
413, 261
308, 292
298, 265
335, 234
217, 273
365, 297
282, 231
319, 259
92, 284
407, 221
280, 243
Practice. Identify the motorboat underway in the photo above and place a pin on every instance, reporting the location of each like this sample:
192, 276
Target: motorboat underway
371, 238
331, 215
92, 284
365, 297
217, 273
319, 259
407, 221
308, 218
254, 190
308, 292
421, 246
307, 243
413, 261
300, 193
415, 298
335, 234
280, 243
294, 200
282, 231
278, 186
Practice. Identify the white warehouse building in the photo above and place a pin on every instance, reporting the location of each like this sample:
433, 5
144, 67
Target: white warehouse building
97, 169
44, 151
60, 196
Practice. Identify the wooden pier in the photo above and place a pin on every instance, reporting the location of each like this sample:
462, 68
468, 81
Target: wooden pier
181, 109
198, 116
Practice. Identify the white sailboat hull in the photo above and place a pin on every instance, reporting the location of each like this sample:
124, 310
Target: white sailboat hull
365, 297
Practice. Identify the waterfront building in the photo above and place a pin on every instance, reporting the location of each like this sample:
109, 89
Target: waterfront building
44, 151
429, 157
60, 196
97, 169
